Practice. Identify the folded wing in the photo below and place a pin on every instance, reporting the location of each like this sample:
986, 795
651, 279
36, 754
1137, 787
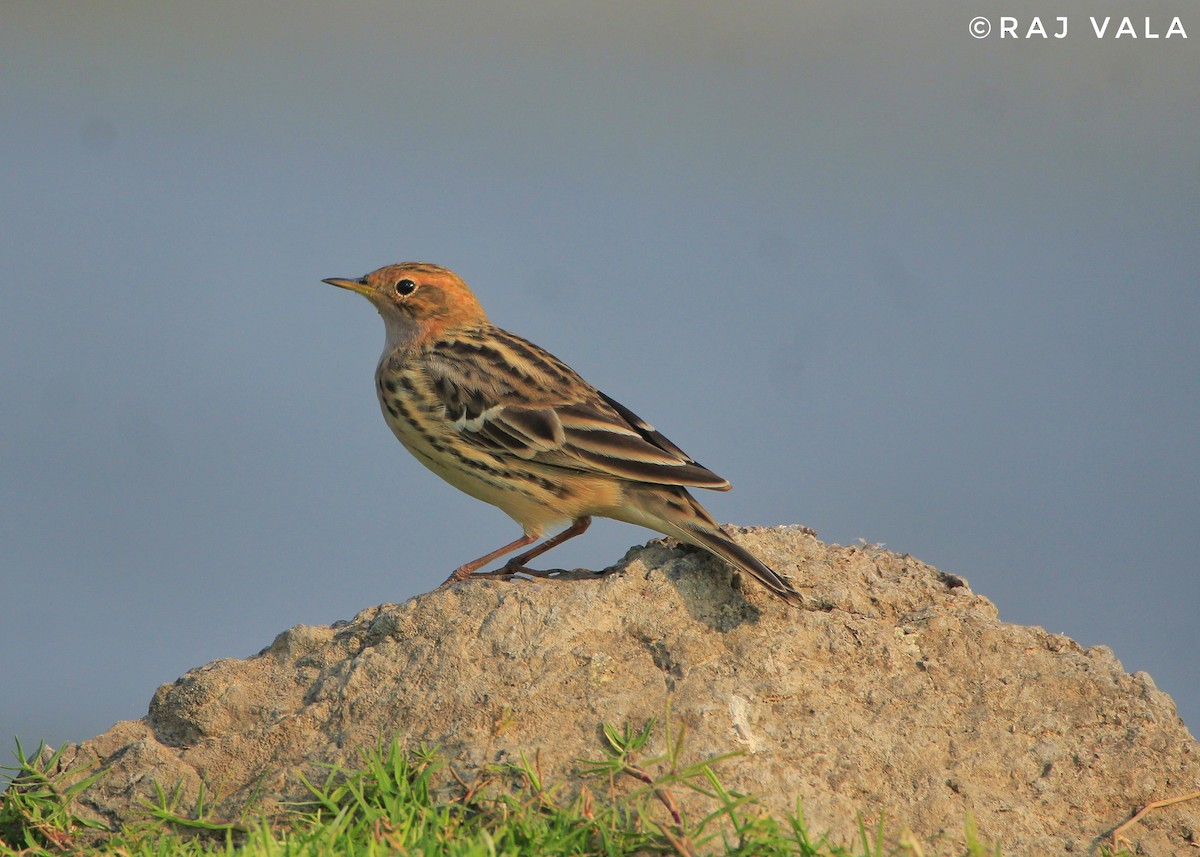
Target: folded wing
509, 397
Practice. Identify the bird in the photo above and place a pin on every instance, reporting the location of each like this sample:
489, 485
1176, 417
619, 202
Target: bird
510, 424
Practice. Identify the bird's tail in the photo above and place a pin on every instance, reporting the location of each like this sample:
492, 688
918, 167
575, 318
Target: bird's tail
679, 515
716, 541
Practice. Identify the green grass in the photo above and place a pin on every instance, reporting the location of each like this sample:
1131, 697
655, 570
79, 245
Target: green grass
628, 805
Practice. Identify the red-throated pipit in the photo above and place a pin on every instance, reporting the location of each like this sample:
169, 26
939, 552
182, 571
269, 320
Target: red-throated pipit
514, 426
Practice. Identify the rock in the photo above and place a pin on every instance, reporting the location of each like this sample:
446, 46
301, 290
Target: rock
896, 690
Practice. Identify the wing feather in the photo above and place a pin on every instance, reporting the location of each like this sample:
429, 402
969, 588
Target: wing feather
505, 395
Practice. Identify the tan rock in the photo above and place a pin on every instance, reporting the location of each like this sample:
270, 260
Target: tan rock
896, 691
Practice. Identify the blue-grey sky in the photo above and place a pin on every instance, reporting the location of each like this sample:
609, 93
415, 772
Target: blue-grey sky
894, 282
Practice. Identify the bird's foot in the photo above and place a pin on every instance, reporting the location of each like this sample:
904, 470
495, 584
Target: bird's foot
510, 571
523, 572
547, 574
460, 573
499, 574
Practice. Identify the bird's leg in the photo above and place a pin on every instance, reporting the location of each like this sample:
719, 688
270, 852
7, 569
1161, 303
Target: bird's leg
465, 571
517, 563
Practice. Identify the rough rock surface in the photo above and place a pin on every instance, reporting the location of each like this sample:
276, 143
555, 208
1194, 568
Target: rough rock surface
896, 690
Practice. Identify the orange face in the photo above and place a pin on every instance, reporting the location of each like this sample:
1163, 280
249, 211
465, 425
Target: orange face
431, 298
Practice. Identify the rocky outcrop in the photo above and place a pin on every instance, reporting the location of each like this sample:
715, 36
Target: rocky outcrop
895, 690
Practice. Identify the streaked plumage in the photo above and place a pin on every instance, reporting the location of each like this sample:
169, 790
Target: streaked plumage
510, 424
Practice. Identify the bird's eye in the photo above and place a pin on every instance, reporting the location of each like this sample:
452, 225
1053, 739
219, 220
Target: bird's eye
405, 287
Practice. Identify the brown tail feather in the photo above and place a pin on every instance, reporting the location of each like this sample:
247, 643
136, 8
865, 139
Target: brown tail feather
670, 509
727, 549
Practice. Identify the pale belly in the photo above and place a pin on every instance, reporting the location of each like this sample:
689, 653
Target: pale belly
534, 496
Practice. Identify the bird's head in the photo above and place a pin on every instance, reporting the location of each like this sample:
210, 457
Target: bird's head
418, 301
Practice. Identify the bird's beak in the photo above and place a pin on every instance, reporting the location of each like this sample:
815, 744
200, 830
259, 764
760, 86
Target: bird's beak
352, 285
